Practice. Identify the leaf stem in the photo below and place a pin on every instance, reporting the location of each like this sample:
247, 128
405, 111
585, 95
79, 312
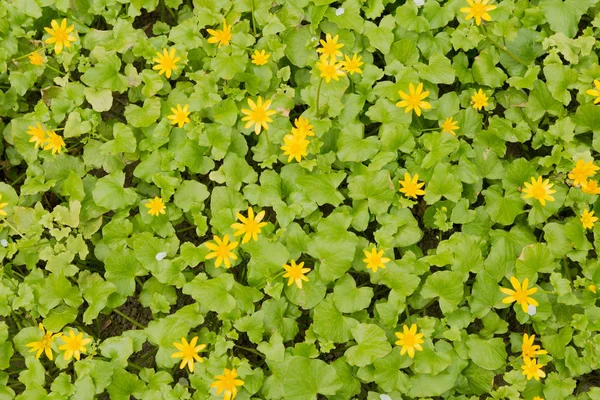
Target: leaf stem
14, 228
319, 95
253, 19
248, 349
128, 318
502, 48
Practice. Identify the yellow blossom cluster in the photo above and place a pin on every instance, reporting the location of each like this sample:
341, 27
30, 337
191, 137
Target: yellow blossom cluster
46, 139
329, 66
74, 344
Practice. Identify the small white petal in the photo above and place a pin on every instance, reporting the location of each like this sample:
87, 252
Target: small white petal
419, 3
313, 39
4, 242
531, 310
161, 255
384, 397
339, 11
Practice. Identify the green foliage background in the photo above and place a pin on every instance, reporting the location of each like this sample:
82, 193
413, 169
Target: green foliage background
80, 243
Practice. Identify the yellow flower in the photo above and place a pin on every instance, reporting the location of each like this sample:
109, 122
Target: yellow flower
531, 369
74, 345
222, 251
538, 398
2, 205
592, 288
588, 219
479, 100
330, 69
166, 62
258, 114
44, 345
36, 58
529, 349
180, 115
330, 47
303, 127
591, 187
188, 352
250, 226
352, 65
295, 147
414, 100
582, 171
411, 187
479, 10
520, 294
375, 259
59, 35
156, 206
227, 383
37, 135
55, 142
260, 57
410, 340
539, 190
220, 36
450, 125
296, 273
595, 92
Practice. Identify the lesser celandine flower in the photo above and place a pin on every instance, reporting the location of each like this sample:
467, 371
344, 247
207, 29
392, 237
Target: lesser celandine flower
188, 352
595, 92
54, 142
294, 146
221, 250
222, 36
410, 340
330, 47
302, 127
539, 190
479, 100
582, 171
414, 100
166, 62
156, 206
450, 125
587, 219
260, 57
531, 369
227, 384
375, 259
296, 273
529, 349
180, 115
258, 115
520, 294
591, 187
411, 187
478, 9
538, 398
44, 345
249, 226
592, 288
59, 35
74, 345
2, 205
330, 69
38, 136
352, 65
36, 58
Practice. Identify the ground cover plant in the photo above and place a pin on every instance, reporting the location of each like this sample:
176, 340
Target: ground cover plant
299, 199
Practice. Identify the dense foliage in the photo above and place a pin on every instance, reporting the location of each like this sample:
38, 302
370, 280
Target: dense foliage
299, 199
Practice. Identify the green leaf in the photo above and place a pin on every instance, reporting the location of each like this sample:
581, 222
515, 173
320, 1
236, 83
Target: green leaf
348, 298
305, 378
446, 285
438, 71
142, 117
443, 183
486, 72
105, 74
371, 344
564, 16
488, 354
110, 192
212, 294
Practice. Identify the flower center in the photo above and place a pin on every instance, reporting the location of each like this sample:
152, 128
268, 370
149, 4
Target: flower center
259, 114
61, 35
478, 9
409, 341
539, 192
